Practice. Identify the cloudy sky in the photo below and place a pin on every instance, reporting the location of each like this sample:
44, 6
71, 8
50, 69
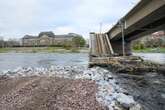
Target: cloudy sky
20, 17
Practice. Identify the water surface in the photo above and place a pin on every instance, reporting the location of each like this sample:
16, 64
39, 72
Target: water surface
154, 57
10, 61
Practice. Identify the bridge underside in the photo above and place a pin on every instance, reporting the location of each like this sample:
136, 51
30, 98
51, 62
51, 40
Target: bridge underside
118, 48
152, 23
149, 24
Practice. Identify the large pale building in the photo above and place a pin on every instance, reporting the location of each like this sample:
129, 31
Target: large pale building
47, 39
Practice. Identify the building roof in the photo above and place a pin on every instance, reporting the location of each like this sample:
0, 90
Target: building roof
29, 37
73, 34
49, 34
69, 35
64, 36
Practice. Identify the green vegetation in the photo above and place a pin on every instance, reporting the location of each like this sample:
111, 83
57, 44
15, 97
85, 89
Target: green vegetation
149, 44
43, 50
4, 50
78, 41
150, 50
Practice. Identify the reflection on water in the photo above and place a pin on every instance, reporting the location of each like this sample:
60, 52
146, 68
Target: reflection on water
14, 60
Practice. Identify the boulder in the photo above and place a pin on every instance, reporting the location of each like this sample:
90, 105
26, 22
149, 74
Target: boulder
136, 107
125, 100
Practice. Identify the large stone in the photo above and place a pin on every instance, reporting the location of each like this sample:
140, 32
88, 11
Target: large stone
136, 107
125, 100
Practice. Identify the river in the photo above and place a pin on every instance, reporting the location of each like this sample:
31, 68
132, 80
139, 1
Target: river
10, 61
154, 57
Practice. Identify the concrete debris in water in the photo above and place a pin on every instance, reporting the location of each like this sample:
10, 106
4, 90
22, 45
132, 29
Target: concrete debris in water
109, 92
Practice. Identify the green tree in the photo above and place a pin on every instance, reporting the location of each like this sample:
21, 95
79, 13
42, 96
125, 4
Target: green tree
78, 41
1, 42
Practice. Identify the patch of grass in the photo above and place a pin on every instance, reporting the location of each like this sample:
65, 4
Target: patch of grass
4, 50
40, 49
75, 50
151, 50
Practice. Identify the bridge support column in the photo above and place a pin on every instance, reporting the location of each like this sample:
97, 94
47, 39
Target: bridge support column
117, 47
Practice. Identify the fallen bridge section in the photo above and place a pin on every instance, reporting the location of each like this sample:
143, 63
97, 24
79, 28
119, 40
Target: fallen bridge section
102, 50
100, 45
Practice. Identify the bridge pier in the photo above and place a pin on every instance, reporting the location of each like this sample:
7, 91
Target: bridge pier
118, 49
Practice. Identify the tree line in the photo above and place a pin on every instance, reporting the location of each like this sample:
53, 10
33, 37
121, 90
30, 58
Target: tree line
9, 43
77, 41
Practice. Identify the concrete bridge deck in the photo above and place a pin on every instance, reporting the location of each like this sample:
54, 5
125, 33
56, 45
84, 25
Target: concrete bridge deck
146, 17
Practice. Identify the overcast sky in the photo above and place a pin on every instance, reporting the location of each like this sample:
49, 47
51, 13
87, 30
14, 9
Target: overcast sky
20, 17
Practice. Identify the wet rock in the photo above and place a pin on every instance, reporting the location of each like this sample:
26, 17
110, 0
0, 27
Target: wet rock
162, 70
163, 96
125, 100
136, 107
4, 77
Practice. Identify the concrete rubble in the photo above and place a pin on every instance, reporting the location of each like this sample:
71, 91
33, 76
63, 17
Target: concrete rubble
130, 64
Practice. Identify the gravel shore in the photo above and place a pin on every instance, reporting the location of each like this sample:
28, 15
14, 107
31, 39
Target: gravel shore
48, 93
63, 88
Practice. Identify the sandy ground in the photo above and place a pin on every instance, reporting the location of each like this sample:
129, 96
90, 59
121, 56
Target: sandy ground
47, 93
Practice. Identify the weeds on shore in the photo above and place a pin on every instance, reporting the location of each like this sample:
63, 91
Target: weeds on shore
150, 50
41, 50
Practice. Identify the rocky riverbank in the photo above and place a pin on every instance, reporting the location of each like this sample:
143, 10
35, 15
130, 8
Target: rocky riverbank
72, 86
147, 88
130, 64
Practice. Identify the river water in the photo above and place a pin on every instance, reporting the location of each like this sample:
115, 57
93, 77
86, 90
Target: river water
10, 61
154, 57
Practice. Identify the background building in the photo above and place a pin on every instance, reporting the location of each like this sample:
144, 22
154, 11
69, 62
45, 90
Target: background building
48, 39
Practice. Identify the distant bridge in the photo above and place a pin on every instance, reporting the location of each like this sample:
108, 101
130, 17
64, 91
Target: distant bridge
146, 17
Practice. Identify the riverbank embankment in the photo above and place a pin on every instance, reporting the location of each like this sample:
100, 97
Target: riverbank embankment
150, 50
43, 50
127, 64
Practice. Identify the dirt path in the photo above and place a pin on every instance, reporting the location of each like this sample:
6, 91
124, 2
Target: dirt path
47, 93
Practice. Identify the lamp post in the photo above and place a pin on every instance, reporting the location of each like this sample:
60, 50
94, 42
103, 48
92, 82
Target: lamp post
101, 28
